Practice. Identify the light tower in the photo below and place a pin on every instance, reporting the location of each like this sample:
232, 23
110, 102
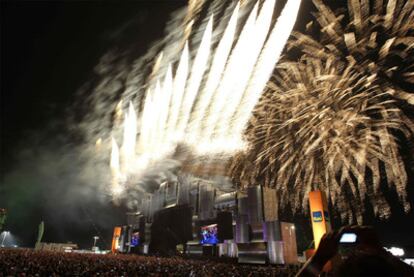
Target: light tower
3, 214
95, 238
5, 233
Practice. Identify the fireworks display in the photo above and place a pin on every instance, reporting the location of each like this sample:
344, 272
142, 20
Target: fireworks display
228, 112
332, 120
206, 102
376, 38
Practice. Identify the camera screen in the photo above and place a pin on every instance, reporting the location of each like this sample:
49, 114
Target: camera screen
348, 238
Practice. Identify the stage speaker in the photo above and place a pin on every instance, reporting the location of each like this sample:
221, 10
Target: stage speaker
181, 223
206, 202
141, 228
224, 225
171, 226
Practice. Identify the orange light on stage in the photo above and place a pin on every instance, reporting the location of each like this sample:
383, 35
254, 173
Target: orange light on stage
319, 215
115, 239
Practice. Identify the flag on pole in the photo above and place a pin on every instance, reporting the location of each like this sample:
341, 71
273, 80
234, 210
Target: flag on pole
40, 232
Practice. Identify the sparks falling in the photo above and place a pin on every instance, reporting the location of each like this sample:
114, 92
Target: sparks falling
376, 37
116, 187
322, 127
333, 120
197, 103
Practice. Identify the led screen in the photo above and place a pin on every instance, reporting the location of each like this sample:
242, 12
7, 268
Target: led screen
135, 239
209, 234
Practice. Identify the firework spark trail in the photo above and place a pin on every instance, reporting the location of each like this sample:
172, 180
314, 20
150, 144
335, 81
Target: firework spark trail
164, 107
155, 138
230, 74
115, 168
323, 126
146, 122
267, 61
378, 39
259, 30
178, 93
118, 112
231, 81
180, 109
149, 121
129, 139
214, 76
156, 66
197, 72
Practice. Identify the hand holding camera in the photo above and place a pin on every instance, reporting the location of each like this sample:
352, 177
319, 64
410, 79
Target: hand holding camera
360, 251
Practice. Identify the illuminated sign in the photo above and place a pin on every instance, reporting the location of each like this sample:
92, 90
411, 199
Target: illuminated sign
115, 239
317, 216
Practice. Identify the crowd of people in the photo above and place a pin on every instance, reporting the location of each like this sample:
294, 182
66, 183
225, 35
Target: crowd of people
364, 257
27, 262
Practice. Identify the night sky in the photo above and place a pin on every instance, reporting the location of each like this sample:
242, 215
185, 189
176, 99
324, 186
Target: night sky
48, 51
